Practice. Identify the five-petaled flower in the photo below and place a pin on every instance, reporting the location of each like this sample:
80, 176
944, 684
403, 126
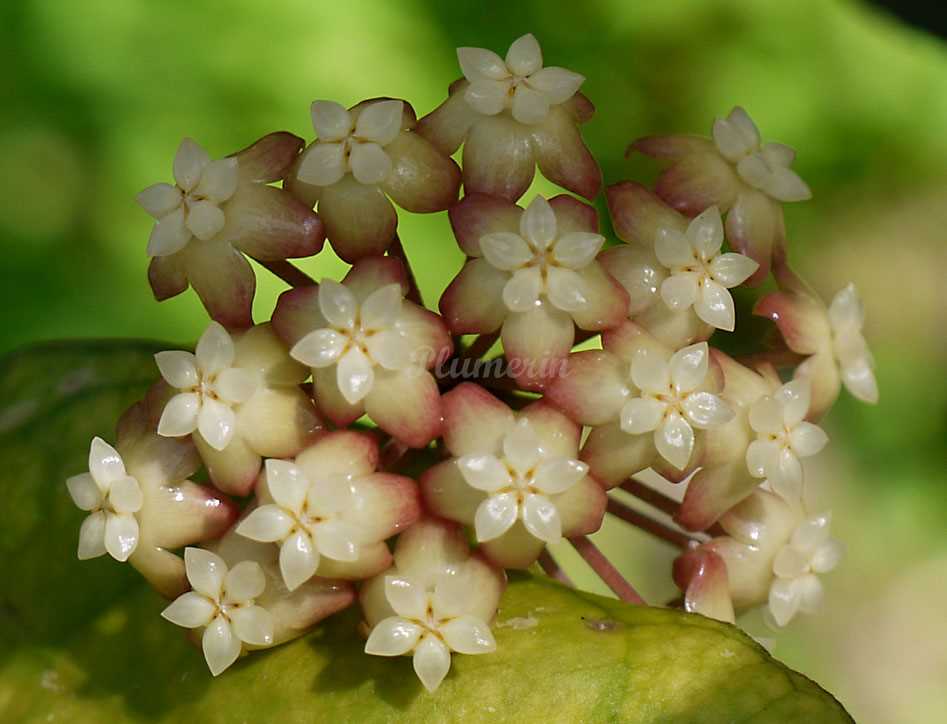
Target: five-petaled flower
437, 598
532, 274
735, 172
514, 477
220, 210
329, 511
510, 115
209, 387
223, 603
112, 497
369, 348
847, 317
363, 159
783, 436
698, 274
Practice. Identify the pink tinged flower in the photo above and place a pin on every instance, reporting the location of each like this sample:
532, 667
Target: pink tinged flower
783, 437
669, 404
702, 575
363, 159
435, 600
515, 478
370, 349
113, 498
330, 512
698, 274
736, 172
846, 318
209, 388
219, 210
512, 114
222, 602
534, 275
796, 587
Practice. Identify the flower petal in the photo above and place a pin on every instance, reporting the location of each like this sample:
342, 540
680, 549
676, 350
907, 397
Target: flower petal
529, 106
330, 120
319, 348
337, 304
495, 516
406, 597
380, 122
169, 235
807, 439
674, 440
355, 375
266, 524
476, 63
468, 635
541, 518
679, 291
235, 385
762, 456
322, 164
431, 662
794, 397
827, 556
705, 233
178, 368
766, 416
524, 56
705, 410
189, 163
159, 199
859, 378
105, 464
216, 423
565, 289
731, 270
205, 571
522, 447
92, 536
521, 292
219, 180
190, 610
393, 637
221, 647
557, 84
784, 600
381, 308
577, 249
538, 223
714, 305
84, 491
125, 495
790, 562
483, 472
558, 474
215, 350
288, 484
812, 533
370, 164
298, 560
121, 535
205, 220
253, 625
505, 251
336, 540
673, 248
486, 96
244, 582
642, 414
650, 371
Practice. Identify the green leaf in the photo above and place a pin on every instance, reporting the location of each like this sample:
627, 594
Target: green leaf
83, 641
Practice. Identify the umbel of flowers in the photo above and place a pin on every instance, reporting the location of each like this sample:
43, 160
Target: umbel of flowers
345, 465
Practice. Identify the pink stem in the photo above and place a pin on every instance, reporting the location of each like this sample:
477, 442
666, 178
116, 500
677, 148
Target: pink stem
605, 570
650, 496
480, 346
414, 291
288, 273
553, 569
655, 528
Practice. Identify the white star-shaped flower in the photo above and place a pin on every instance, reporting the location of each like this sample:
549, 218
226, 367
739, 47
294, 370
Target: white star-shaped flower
783, 436
431, 622
699, 274
209, 389
358, 337
112, 498
192, 206
522, 483
847, 317
669, 403
540, 262
796, 586
519, 83
344, 146
306, 519
223, 601
763, 166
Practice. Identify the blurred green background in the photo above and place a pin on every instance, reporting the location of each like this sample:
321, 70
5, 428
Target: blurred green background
97, 95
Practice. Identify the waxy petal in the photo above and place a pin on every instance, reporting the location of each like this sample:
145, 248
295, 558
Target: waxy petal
244, 582
221, 647
642, 414
298, 560
431, 662
674, 440
205, 572
190, 610
495, 516
189, 163
393, 637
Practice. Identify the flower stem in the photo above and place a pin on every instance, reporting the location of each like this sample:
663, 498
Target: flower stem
553, 569
480, 346
649, 525
288, 273
605, 570
650, 496
414, 291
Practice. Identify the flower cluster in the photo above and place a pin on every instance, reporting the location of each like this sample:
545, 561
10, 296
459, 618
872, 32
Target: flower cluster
342, 467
